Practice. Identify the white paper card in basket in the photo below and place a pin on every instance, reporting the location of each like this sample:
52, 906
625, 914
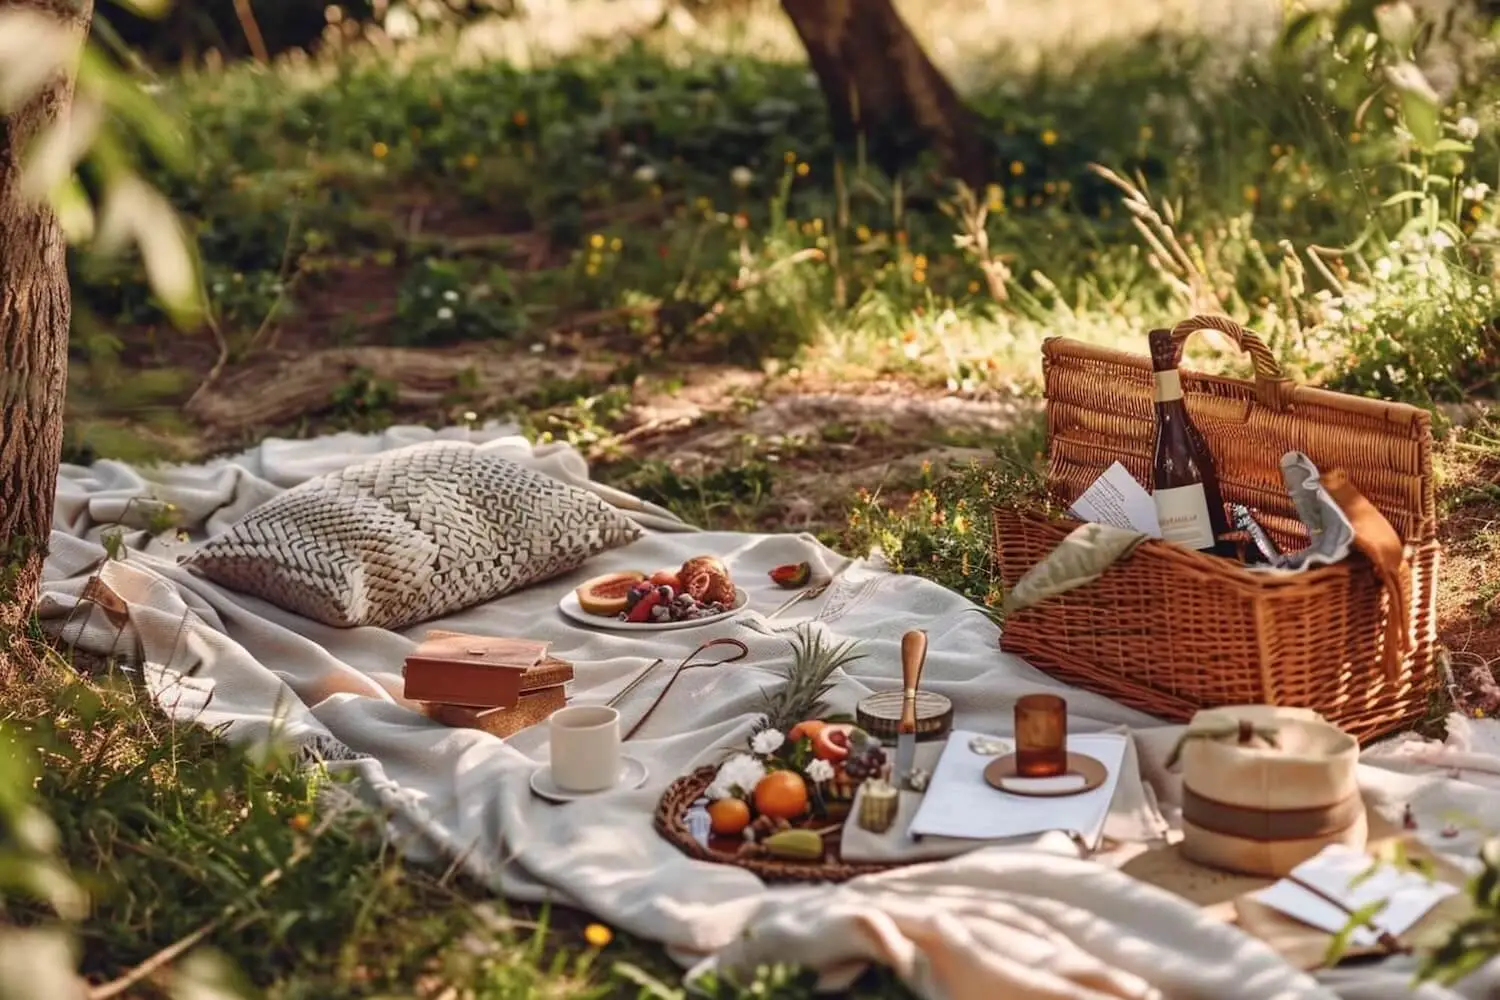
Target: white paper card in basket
1117, 499
960, 803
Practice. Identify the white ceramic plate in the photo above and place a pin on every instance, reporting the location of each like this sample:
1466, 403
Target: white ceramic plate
632, 775
570, 607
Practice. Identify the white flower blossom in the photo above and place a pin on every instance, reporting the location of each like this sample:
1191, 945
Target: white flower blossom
1476, 192
1440, 240
1467, 128
741, 177
645, 173
445, 314
451, 295
819, 771
767, 741
742, 772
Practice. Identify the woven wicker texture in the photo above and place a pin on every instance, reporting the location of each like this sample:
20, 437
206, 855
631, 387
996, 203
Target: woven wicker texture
411, 535
671, 823
1171, 630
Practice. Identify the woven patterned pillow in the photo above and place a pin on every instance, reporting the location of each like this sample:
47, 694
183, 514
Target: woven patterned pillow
411, 535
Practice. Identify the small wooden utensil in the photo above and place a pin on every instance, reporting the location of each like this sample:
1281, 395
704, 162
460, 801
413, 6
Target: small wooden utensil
913, 657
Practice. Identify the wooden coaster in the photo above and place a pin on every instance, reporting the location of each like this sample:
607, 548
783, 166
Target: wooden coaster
1090, 770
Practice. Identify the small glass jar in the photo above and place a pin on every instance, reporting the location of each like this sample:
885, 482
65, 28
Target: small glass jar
1041, 736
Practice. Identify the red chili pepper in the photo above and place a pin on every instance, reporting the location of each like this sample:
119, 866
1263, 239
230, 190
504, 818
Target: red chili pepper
641, 612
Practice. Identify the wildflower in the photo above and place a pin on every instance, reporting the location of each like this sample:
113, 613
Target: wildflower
1147, 132
1476, 192
597, 935
469, 161
1467, 128
1354, 137
819, 771
1252, 193
803, 169
470, 416
741, 177
300, 822
616, 244
994, 197
538, 348
645, 174
1017, 168
520, 118
741, 220
445, 314
450, 295
703, 204
596, 241
790, 157
767, 741
919, 262
973, 287
379, 150
1049, 137
862, 233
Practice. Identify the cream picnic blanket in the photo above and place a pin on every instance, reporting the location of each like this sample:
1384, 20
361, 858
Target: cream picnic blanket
1027, 921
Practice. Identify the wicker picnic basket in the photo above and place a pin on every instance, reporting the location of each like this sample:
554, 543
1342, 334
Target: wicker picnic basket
1169, 630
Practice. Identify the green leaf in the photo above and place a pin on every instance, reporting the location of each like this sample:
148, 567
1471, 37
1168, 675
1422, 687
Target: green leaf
1420, 103
1451, 146
1402, 197
1362, 917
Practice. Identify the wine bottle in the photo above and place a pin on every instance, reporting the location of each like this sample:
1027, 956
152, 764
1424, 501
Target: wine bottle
1185, 485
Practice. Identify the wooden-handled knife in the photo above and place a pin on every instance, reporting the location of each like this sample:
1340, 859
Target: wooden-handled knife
913, 656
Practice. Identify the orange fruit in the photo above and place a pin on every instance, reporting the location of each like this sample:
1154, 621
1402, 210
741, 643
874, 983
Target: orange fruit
781, 795
728, 817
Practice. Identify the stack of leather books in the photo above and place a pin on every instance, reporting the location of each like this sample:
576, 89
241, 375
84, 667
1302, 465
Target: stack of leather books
497, 684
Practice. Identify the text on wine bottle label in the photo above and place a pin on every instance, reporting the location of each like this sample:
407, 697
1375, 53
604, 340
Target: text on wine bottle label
1182, 513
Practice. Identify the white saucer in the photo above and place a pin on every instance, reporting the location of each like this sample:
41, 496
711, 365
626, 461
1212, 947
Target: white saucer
632, 775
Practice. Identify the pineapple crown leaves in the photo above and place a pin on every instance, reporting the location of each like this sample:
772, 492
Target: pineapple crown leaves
809, 679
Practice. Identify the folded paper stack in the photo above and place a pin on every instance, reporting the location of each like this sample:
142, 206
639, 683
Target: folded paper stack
497, 684
1266, 788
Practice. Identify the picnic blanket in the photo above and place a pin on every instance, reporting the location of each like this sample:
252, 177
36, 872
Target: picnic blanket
1021, 921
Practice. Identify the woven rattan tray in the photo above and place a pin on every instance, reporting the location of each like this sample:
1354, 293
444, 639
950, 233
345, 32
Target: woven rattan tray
671, 823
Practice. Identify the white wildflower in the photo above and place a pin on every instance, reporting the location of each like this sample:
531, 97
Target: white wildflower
445, 314
741, 177
451, 295
1467, 128
538, 348
1476, 192
1440, 240
767, 741
742, 772
1383, 267
645, 173
819, 771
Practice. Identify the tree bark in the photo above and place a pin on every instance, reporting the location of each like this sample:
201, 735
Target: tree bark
35, 311
881, 85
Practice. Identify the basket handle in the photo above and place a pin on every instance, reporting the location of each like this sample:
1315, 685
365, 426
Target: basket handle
1271, 385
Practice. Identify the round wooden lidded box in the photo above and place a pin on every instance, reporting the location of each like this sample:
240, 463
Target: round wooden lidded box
879, 714
1265, 788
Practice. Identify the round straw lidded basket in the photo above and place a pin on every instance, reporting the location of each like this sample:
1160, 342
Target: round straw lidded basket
1265, 788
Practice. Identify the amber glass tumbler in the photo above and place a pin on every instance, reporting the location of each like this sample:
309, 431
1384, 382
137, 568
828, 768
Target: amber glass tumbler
1041, 736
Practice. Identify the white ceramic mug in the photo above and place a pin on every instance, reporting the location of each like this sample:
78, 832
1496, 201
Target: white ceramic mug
585, 747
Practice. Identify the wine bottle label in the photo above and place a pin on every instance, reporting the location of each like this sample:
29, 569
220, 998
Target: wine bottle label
1182, 514
1168, 386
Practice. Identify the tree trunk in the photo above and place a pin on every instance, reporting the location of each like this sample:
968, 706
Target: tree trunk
35, 309
881, 85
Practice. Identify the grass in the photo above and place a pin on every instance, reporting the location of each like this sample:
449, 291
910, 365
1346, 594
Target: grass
650, 248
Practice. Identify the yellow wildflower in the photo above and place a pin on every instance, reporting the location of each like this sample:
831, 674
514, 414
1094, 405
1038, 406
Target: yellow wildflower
1147, 132
862, 233
379, 150
790, 157
1017, 168
1049, 137
1354, 137
597, 935
803, 169
300, 822
973, 287
470, 161
1252, 193
616, 243
596, 241
919, 262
